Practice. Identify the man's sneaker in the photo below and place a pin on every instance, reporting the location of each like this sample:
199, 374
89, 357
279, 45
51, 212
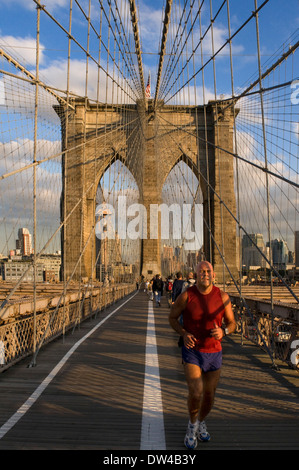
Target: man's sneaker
202, 432
190, 440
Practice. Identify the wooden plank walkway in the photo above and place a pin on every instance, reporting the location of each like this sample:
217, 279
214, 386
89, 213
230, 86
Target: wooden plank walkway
95, 400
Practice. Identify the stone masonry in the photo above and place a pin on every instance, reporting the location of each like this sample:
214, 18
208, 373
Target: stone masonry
95, 135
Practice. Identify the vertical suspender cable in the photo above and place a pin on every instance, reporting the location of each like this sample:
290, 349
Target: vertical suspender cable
266, 161
237, 163
34, 181
65, 160
208, 191
217, 130
97, 147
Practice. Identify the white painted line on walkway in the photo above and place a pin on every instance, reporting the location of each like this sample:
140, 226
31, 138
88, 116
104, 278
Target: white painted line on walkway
152, 430
36, 394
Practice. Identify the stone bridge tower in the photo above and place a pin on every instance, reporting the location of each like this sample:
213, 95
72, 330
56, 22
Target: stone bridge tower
201, 135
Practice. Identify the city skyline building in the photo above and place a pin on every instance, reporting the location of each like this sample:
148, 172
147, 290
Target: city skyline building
254, 251
24, 242
280, 253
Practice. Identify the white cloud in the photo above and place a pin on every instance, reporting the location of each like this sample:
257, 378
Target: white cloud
295, 129
150, 27
51, 4
17, 190
56, 73
17, 154
22, 49
253, 197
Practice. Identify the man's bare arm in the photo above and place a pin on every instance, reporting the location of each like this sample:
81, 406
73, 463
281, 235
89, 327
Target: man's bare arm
229, 317
176, 310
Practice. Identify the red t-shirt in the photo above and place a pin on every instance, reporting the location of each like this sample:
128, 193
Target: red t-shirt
199, 316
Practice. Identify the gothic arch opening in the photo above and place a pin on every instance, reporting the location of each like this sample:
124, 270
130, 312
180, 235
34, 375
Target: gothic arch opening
117, 254
182, 194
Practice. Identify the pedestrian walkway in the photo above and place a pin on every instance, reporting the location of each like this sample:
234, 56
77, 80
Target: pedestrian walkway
112, 393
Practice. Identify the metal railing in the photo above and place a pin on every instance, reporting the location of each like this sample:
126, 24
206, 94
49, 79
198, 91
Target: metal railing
277, 335
17, 336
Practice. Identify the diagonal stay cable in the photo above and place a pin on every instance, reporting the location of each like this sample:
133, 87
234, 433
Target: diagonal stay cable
214, 55
82, 48
265, 170
233, 216
163, 47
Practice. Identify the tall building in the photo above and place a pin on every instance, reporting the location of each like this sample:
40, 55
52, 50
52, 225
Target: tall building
12, 271
253, 249
47, 269
110, 255
280, 253
24, 242
253, 239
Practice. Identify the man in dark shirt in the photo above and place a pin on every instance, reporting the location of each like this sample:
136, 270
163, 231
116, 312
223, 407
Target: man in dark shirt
177, 286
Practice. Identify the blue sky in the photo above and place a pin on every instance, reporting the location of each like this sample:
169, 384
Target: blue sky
278, 20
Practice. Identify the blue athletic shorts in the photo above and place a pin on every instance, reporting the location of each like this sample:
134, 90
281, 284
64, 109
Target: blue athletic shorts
206, 361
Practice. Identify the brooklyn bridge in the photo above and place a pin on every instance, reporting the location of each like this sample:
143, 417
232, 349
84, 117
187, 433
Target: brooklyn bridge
137, 140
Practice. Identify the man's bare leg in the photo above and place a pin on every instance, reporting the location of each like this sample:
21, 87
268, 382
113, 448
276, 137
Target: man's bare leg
194, 380
210, 381
201, 394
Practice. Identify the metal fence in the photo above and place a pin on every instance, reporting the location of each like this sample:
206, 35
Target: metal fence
278, 336
24, 336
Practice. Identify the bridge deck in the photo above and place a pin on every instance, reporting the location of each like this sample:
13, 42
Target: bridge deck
95, 400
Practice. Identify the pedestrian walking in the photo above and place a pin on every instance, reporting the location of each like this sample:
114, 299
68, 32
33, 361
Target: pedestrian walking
168, 288
189, 282
158, 289
177, 286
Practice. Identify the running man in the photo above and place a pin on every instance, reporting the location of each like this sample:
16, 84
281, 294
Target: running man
204, 307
